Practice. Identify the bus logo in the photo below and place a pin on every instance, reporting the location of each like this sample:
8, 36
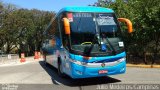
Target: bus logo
103, 64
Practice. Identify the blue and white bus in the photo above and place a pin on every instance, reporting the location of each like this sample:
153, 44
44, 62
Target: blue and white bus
84, 42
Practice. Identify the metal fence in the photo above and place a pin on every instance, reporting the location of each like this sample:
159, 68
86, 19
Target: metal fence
5, 58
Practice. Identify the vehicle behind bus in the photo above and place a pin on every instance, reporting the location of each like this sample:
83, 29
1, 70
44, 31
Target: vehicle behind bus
84, 42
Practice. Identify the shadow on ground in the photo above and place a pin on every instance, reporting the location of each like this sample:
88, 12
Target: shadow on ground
75, 82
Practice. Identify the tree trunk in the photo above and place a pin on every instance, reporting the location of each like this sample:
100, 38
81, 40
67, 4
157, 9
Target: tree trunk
144, 57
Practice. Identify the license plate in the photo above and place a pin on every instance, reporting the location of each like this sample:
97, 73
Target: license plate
102, 71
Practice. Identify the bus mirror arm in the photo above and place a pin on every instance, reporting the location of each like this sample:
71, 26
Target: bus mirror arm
66, 26
128, 22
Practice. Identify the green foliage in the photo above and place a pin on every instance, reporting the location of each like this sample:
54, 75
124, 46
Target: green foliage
145, 16
22, 28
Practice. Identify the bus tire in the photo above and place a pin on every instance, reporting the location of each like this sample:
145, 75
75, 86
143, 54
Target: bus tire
60, 71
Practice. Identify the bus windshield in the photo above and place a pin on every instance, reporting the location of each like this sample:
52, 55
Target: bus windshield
89, 30
83, 28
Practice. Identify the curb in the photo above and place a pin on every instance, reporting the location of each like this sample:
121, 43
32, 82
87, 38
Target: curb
17, 62
143, 66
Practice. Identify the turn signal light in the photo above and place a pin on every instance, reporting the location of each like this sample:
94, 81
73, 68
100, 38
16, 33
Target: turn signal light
86, 58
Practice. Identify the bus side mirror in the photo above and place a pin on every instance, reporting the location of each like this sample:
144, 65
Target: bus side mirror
128, 22
66, 26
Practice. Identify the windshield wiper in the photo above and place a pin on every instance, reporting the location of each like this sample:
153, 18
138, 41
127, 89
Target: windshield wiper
113, 49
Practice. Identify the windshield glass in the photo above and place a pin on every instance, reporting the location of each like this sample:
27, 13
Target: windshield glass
83, 28
107, 25
90, 30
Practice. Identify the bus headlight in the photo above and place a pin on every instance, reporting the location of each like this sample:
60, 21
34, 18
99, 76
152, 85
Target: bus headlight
83, 63
72, 60
78, 62
122, 59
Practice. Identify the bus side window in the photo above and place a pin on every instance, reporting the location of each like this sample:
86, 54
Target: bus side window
64, 38
54, 34
57, 33
54, 30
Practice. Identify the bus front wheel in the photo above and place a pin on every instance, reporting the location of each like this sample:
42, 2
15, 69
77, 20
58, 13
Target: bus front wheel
60, 69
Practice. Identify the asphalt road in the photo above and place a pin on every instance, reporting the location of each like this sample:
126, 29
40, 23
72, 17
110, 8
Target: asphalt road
36, 76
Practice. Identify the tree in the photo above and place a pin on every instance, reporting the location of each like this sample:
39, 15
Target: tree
6, 26
40, 22
145, 16
21, 28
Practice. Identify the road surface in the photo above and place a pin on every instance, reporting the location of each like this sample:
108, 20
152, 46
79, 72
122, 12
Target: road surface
36, 76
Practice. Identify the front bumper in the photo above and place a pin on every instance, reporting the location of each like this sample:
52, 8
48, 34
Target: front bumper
84, 71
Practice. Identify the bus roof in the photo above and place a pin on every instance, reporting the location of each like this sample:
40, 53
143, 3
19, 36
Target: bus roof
86, 9
82, 9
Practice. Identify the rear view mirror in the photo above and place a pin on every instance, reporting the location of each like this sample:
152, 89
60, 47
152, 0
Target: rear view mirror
66, 26
128, 22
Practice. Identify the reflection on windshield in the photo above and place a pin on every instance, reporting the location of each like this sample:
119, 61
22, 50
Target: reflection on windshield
107, 25
88, 29
105, 19
83, 28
